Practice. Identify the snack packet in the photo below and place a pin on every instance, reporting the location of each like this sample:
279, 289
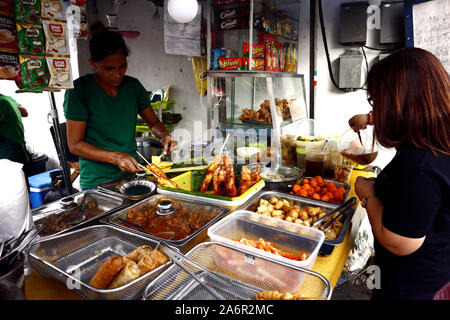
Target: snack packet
217, 53
28, 11
8, 34
281, 56
31, 39
231, 63
78, 19
56, 41
9, 65
53, 9
32, 72
60, 73
257, 64
258, 50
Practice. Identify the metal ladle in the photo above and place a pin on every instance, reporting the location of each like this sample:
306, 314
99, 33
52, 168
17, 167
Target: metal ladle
80, 217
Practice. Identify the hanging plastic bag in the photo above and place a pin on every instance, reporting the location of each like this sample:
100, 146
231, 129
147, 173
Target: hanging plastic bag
15, 213
361, 237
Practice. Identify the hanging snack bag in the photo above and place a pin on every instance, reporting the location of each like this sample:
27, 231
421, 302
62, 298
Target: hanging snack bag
281, 57
56, 41
28, 11
53, 9
9, 65
31, 39
60, 73
258, 50
270, 53
8, 34
32, 71
78, 19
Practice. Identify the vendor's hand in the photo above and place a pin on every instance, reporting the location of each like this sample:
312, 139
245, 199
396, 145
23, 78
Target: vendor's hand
126, 163
169, 144
364, 186
359, 122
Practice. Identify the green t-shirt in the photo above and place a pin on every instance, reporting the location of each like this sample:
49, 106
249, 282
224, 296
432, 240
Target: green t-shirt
111, 122
12, 137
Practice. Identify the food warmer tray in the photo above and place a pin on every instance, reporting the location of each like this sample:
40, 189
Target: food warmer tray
328, 245
105, 202
73, 258
235, 274
183, 244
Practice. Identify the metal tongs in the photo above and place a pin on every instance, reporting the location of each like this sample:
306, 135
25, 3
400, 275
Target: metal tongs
349, 203
176, 257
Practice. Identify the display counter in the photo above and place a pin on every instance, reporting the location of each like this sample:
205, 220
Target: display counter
38, 287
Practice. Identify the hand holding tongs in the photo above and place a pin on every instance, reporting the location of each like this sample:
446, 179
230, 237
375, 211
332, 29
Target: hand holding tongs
175, 257
349, 203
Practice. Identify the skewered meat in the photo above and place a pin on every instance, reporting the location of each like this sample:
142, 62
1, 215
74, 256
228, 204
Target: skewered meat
167, 183
210, 172
156, 171
248, 178
230, 186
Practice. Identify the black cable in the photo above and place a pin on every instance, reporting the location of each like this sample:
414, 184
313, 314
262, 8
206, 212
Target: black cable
325, 44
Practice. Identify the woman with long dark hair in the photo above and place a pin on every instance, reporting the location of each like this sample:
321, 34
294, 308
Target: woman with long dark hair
101, 113
408, 204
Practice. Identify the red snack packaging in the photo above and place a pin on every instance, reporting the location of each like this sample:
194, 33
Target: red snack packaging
234, 23
257, 64
258, 50
231, 63
270, 53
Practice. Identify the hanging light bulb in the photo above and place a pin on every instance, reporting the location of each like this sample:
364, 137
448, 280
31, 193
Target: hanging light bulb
182, 11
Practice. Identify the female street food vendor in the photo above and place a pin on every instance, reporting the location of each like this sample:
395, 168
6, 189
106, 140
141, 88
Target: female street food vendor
101, 113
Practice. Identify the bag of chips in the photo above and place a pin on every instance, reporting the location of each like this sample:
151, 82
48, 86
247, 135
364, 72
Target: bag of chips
8, 34
28, 11
53, 9
32, 72
258, 50
56, 41
31, 39
60, 73
9, 65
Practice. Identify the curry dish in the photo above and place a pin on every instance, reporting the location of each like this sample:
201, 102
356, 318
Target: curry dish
180, 224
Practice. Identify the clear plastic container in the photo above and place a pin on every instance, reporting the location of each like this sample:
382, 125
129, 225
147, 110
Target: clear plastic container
286, 236
334, 158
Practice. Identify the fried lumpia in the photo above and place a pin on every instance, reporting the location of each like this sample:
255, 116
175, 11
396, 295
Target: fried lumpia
129, 273
147, 264
107, 272
159, 257
137, 254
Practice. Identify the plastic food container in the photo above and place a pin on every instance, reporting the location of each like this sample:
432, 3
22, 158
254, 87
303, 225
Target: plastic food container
73, 258
61, 216
190, 182
327, 245
174, 221
286, 236
235, 274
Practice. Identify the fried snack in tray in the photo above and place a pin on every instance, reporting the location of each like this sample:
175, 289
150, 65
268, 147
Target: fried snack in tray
285, 210
276, 295
118, 271
264, 113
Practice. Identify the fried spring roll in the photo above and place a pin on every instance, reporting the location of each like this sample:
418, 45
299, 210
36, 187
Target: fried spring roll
147, 264
129, 273
107, 272
159, 257
137, 254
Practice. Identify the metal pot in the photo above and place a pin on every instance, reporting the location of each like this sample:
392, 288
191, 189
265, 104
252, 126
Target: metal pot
290, 172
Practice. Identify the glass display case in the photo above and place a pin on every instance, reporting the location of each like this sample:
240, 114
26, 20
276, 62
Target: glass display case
262, 102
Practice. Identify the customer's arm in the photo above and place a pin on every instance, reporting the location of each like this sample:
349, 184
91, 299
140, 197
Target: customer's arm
78, 146
395, 243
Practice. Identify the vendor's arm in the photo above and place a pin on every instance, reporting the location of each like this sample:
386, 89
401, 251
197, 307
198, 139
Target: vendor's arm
395, 243
158, 129
75, 137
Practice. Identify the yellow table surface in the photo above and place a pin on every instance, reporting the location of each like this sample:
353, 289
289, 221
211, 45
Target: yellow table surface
38, 287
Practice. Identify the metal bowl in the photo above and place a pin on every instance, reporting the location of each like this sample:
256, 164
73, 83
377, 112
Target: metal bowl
291, 173
138, 189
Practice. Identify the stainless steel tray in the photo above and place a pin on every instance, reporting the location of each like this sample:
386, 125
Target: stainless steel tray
184, 244
73, 259
328, 245
106, 202
234, 274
